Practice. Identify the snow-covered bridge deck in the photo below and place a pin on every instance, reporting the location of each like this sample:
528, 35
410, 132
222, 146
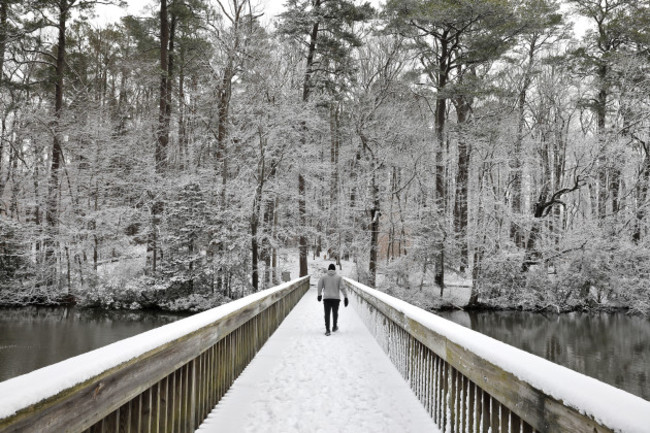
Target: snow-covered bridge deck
302, 381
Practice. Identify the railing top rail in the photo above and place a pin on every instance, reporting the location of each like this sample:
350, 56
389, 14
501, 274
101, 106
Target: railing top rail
609, 406
22, 392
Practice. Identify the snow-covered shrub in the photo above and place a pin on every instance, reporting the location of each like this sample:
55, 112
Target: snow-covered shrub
16, 268
425, 298
609, 272
194, 302
501, 277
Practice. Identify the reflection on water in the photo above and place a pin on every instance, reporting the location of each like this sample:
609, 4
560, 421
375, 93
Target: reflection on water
614, 348
33, 337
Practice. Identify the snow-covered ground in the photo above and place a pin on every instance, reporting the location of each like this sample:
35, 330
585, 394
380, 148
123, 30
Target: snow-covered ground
316, 266
302, 381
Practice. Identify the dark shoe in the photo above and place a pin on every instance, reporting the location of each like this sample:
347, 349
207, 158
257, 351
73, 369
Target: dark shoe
327, 332
335, 328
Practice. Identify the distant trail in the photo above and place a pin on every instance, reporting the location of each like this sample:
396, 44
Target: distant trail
304, 382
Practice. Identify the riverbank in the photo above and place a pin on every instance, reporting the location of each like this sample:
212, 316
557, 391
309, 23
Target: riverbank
457, 297
122, 289
128, 299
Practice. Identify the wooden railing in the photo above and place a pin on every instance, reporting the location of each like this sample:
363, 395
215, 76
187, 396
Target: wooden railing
471, 383
170, 388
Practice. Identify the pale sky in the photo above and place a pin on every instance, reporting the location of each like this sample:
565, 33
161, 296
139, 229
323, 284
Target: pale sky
137, 7
108, 13
270, 7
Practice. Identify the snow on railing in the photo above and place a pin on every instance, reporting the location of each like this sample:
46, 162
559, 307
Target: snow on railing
164, 380
469, 382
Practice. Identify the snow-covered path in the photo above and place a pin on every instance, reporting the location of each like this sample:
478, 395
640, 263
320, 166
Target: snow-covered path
302, 381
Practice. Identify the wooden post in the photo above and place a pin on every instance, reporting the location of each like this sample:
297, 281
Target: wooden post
192, 395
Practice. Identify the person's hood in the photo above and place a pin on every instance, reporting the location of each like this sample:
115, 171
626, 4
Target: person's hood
331, 272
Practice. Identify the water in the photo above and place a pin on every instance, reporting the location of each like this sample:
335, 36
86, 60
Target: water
614, 348
611, 347
33, 337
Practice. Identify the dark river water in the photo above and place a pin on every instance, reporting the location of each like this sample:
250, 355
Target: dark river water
612, 347
33, 337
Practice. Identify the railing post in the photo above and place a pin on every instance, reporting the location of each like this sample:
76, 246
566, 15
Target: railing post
192, 392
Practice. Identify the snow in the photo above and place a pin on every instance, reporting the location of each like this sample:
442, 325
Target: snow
302, 381
23, 391
317, 266
609, 406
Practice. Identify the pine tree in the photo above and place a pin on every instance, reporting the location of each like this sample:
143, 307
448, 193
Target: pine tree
325, 30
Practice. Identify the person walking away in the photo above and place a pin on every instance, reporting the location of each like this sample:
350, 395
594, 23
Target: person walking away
329, 287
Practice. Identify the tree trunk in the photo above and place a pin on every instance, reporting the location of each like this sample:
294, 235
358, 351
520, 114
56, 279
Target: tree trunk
642, 198
601, 113
254, 253
51, 214
375, 213
182, 127
274, 258
302, 212
3, 48
225, 94
3, 36
441, 193
256, 211
162, 134
334, 182
462, 181
306, 90
269, 216
4, 178
516, 232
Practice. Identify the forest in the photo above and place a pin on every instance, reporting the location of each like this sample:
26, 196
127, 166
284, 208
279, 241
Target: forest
173, 159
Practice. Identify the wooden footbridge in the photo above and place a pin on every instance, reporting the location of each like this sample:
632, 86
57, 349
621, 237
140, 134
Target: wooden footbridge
171, 378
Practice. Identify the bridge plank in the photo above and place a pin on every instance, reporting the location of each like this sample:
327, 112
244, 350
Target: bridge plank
515, 423
110, 424
123, 422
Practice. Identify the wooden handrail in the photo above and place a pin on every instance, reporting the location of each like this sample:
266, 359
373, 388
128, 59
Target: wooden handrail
171, 388
469, 382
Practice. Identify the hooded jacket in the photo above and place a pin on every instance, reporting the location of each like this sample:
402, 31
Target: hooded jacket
329, 286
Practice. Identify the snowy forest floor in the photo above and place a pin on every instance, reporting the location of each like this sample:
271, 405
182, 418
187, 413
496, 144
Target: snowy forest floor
302, 381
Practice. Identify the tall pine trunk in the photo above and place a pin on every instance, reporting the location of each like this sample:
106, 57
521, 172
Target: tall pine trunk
516, 232
441, 190
642, 196
601, 113
334, 181
51, 213
162, 133
302, 205
3, 48
462, 185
